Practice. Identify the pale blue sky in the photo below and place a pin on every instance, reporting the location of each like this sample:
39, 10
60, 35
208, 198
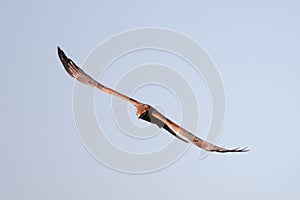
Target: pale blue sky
255, 46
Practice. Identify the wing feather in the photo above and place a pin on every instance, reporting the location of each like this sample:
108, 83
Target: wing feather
193, 138
77, 73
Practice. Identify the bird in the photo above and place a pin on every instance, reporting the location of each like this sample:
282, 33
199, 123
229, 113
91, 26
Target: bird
143, 111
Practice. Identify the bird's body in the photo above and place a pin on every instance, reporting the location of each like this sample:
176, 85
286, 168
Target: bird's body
143, 111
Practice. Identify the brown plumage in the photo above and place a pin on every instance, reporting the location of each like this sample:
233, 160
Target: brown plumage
143, 111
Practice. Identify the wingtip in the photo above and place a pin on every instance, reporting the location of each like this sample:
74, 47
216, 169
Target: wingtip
62, 56
66, 62
59, 50
235, 150
245, 149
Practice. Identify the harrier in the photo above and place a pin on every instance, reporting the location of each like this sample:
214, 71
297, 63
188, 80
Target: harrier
143, 111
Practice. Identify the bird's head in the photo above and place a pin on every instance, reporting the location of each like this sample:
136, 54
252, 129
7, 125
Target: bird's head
141, 109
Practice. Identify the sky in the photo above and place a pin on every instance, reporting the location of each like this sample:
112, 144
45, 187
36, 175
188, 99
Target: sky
255, 46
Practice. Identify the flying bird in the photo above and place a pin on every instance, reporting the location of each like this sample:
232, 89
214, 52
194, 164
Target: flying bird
143, 111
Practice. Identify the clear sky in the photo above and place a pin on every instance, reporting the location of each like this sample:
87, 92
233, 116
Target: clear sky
255, 46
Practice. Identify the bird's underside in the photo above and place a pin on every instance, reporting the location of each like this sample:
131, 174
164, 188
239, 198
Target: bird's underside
143, 111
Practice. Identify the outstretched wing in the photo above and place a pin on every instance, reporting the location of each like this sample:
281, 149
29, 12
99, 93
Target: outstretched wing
167, 128
191, 137
146, 115
84, 78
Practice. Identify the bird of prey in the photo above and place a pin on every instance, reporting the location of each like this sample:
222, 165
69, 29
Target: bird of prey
143, 111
